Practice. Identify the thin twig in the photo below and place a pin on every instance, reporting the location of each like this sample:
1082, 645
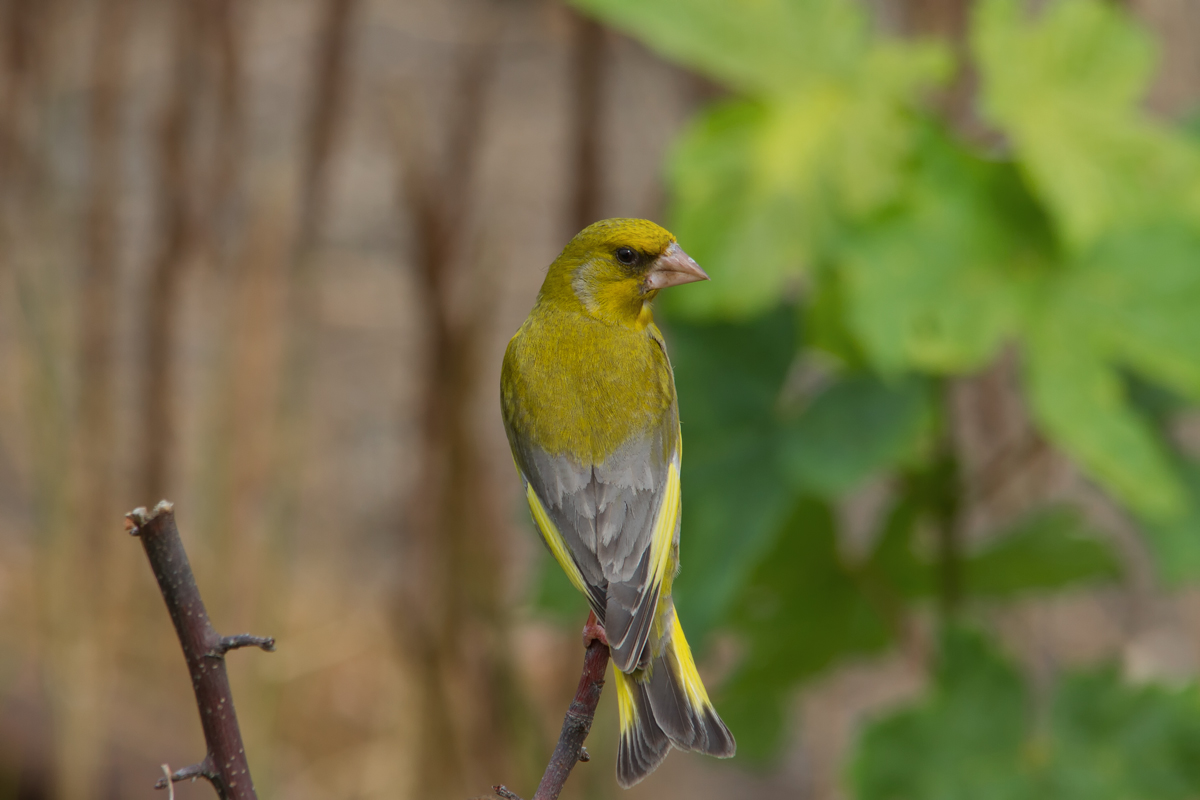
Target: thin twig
228, 643
170, 786
578, 721
202, 769
225, 764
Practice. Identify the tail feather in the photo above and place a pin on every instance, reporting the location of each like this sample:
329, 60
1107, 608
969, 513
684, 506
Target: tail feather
670, 705
663, 706
643, 744
676, 689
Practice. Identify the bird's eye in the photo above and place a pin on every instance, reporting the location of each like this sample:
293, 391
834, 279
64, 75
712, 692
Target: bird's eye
626, 255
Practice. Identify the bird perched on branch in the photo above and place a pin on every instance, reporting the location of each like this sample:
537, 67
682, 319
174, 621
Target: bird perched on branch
589, 405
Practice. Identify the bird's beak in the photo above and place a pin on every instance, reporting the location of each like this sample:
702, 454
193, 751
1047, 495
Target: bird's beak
672, 268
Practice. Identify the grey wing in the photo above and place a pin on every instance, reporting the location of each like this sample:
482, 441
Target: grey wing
607, 515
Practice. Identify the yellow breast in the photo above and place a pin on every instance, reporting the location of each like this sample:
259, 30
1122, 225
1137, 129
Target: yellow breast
576, 386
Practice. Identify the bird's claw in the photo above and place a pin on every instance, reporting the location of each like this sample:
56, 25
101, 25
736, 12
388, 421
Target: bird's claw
593, 631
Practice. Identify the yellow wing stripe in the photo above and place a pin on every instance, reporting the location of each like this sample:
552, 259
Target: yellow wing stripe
626, 710
555, 541
689, 676
664, 526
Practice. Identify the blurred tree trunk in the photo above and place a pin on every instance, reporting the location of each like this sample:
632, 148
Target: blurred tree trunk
1176, 24
587, 97
91, 627
940, 18
946, 20
26, 28
175, 177
324, 120
452, 615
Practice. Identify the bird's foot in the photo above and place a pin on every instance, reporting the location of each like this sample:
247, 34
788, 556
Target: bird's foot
593, 631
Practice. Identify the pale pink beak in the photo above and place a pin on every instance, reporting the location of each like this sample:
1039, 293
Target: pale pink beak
672, 268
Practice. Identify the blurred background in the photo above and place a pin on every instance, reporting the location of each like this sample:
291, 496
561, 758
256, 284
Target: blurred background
942, 495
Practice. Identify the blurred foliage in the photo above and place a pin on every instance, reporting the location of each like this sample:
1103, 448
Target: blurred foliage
864, 251
980, 735
834, 167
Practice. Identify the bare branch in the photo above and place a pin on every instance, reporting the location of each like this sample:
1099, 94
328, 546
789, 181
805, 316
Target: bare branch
578, 721
225, 764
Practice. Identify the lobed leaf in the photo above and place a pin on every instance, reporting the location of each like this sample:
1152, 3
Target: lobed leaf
1067, 88
1079, 400
941, 280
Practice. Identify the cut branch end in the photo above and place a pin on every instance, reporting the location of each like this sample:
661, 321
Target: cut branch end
139, 518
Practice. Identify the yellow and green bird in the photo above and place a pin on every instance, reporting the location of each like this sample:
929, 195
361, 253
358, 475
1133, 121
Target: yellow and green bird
589, 404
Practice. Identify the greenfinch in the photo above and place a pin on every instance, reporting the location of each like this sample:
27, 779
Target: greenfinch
589, 405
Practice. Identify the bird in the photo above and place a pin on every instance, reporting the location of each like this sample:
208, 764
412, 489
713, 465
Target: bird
588, 401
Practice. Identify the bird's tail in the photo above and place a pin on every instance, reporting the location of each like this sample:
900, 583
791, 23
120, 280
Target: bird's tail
663, 705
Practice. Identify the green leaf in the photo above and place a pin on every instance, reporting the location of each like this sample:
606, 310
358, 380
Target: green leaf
733, 213
1128, 302
940, 280
770, 46
746, 459
801, 610
826, 326
966, 259
1175, 543
1140, 291
894, 562
735, 496
1156, 402
1112, 741
852, 429
757, 186
964, 741
1049, 550
880, 125
974, 737
1078, 402
1067, 88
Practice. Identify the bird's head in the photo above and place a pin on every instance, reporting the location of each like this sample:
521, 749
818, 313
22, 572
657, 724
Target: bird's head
615, 267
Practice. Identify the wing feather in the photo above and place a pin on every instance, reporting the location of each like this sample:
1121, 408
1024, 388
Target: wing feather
612, 527
561, 552
632, 603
